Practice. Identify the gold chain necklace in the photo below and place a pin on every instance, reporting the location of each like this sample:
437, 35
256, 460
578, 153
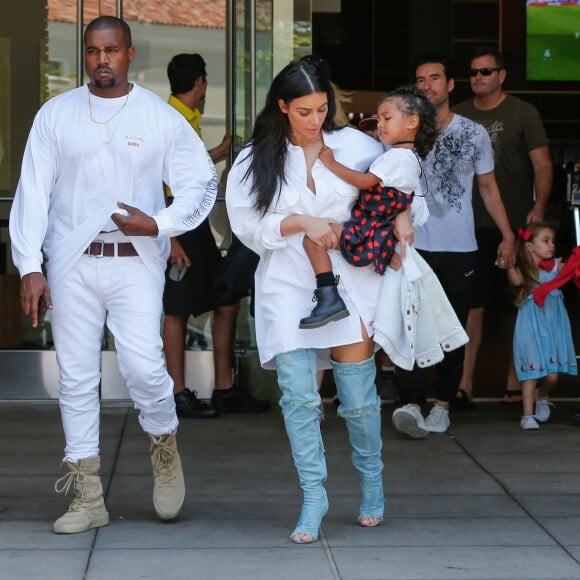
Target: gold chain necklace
104, 139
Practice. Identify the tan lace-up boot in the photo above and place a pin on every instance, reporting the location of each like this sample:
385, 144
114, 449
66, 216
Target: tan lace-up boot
87, 509
169, 488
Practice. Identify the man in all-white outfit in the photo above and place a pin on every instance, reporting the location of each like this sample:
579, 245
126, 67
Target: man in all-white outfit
90, 207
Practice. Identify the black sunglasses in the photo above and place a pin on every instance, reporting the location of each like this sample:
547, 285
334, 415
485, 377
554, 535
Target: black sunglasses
485, 71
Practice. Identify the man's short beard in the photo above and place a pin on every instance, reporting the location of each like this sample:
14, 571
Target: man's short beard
104, 85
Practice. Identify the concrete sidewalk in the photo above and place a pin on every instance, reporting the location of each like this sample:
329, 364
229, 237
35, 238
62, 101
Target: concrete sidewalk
486, 500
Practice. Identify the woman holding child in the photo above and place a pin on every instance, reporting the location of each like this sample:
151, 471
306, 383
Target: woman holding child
278, 192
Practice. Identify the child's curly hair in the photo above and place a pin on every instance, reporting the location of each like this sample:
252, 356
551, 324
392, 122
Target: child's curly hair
414, 102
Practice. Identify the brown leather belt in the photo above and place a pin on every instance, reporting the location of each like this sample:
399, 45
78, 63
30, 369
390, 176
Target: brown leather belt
100, 249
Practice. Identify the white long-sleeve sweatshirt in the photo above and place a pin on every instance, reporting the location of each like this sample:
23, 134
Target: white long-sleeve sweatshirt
72, 178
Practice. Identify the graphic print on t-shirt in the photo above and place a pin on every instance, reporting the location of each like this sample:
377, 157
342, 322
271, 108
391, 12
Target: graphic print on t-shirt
450, 170
495, 129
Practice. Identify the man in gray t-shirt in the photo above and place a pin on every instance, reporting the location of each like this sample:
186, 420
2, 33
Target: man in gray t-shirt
447, 240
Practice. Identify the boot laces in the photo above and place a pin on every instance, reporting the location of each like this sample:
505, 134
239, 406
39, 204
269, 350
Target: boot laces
162, 456
76, 479
316, 293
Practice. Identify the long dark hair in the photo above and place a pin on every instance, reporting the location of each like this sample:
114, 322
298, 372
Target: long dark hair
266, 169
411, 101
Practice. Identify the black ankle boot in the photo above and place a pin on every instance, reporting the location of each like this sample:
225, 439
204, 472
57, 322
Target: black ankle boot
330, 307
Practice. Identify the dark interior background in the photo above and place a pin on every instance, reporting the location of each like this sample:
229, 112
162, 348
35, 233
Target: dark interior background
371, 45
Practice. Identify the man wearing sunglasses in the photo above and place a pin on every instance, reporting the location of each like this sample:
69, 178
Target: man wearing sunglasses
523, 169
198, 262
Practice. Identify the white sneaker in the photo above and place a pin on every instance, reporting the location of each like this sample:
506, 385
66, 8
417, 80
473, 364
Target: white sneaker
438, 420
408, 420
529, 422
542, 413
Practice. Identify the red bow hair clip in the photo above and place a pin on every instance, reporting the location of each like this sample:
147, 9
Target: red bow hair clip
524, 234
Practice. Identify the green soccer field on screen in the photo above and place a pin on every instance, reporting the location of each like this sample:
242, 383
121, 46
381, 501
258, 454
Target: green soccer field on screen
553, 41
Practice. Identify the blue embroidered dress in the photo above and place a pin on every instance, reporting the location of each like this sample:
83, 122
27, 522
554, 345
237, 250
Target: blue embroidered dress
543, 338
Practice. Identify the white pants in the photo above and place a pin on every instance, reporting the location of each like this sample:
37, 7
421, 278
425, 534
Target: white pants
123, 294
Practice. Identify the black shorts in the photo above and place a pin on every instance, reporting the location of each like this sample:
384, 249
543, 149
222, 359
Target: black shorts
490, 284
195, 293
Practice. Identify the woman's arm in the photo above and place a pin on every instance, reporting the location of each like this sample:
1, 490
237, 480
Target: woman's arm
351, 176
266, 232
319, 230
256, 231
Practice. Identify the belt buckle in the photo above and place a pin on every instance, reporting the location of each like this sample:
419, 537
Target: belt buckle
101, 254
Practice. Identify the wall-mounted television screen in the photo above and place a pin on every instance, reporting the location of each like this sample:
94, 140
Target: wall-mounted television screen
553, 40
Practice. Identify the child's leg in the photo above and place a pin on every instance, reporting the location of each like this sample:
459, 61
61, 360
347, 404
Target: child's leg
529, 396
546, 385
330, 305
318, 256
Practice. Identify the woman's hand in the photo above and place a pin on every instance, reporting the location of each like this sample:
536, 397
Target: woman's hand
322, 231
404, 230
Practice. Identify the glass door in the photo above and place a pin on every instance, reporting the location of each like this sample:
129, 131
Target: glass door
263, 36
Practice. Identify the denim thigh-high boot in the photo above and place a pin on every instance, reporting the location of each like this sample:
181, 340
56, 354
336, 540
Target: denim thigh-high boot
360, 407
300, 405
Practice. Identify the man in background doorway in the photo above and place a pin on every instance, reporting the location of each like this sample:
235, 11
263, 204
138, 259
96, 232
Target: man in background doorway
196, 254
461, 154
523, 170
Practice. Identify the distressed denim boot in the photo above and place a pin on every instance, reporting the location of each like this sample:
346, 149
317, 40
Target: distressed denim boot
87, 509
300, 405
360, 407
169, 487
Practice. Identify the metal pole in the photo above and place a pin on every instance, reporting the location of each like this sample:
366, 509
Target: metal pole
230, 97
252, 63
79, 43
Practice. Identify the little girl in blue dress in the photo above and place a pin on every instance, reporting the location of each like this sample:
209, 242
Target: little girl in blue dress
543, 345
